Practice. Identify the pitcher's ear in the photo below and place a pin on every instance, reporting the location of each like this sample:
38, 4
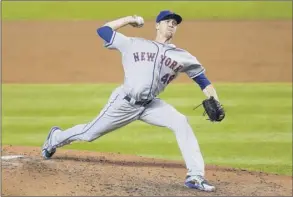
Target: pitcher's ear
157, 26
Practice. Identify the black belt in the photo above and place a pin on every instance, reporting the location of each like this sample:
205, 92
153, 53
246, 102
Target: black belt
142, 103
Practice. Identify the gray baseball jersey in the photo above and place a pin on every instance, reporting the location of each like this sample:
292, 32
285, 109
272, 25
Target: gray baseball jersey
149, 67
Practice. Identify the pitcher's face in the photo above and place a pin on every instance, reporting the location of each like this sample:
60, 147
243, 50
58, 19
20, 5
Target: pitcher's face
167, 28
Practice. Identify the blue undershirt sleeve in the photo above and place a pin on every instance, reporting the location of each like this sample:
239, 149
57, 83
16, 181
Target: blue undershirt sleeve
105, 33
113, 39
202, 81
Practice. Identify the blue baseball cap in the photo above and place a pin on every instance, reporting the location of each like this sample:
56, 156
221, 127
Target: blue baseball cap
167, 14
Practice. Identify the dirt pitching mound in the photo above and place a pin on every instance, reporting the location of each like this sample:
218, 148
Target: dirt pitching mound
85, 173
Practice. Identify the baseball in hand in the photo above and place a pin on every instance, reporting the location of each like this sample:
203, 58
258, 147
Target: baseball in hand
137, 21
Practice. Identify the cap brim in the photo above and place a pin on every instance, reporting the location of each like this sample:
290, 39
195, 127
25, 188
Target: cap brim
177, 17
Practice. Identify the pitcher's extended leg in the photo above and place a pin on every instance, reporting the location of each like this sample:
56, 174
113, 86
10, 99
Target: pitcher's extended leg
160, 113
117, 113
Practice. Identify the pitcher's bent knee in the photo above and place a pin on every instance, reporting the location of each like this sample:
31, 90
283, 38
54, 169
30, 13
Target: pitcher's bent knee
183, 118
179, 122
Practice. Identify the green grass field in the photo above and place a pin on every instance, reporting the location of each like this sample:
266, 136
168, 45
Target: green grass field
89, 10
256, 134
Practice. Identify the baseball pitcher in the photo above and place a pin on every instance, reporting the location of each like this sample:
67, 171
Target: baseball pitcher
149, 66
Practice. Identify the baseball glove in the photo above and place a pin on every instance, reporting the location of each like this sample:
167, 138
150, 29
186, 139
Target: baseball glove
213, 109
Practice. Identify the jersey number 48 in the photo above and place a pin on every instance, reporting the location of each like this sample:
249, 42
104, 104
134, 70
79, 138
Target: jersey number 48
167, 78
